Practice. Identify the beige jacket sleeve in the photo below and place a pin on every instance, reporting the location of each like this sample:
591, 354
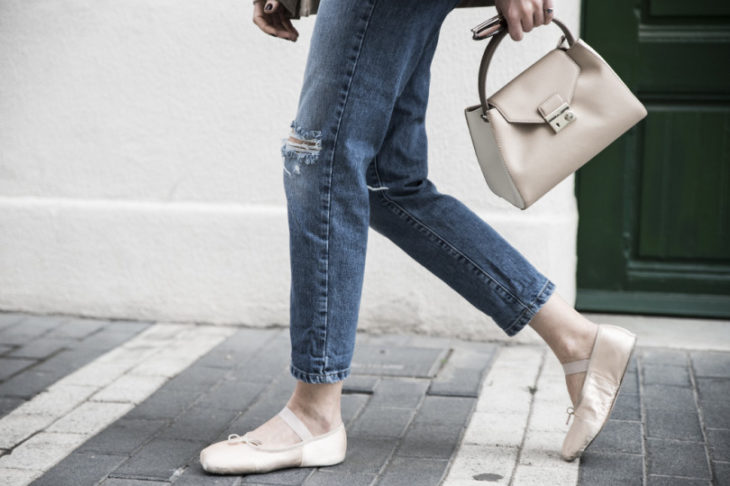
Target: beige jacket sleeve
304, 8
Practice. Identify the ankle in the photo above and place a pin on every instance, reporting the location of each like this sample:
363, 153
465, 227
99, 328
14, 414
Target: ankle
318, 406
578, 345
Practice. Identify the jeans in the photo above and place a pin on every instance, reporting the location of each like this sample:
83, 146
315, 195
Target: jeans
358, 159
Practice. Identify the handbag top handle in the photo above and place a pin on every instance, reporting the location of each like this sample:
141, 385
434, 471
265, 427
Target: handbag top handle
489, 53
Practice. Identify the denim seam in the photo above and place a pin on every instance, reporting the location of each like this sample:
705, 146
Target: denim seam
330, 168
449, 245
520, 321
326, 377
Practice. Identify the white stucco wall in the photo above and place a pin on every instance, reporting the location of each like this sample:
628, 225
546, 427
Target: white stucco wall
140, 174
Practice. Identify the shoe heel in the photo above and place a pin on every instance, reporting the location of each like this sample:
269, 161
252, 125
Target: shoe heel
327, 451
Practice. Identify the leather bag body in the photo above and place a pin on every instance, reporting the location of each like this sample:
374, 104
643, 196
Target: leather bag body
548, 121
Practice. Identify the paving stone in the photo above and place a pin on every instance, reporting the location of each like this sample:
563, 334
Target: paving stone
604, 469
132, 482
123, 436
533, 475
90, 417
627, 407
711, 364
13, 477
665, 397
42, 451
672, 458
197, 377
233, 394
500, 429
713, 390
16, 427
9, 403
195, 476
324, 477
430, 441
57, 400
271, 367
199, 422
77, 328
409, 471
239, 348
159, 459
129, 389
360, 384
287, 477
619, 437
397, 361
445, 410
365, 456
29, 383
80, 468
351, 405
656, 480
722, 472
630, 384
164, 403
381, 422
664, 357
666, 375
41, 348
477, 464
399, 393
29, 328
111, 336
463, 373
10, 366
8, 319
715, 415
719, 444
69, 360
669, 424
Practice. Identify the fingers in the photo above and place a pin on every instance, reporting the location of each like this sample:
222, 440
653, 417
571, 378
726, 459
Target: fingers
548, 5
538, 16
524, 15
271, 6
286, 21
273, 21
514, 24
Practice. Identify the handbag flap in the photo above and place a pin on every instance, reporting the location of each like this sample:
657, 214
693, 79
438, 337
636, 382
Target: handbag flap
519, 101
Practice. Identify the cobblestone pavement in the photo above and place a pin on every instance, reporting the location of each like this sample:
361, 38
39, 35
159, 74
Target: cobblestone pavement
118, 403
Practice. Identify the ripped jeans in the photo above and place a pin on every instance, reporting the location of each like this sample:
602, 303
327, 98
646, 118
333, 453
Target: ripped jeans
357, 158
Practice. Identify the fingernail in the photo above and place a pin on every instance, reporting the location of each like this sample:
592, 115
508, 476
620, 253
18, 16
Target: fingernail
268, 6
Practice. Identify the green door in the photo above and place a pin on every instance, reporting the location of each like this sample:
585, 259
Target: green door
654, 224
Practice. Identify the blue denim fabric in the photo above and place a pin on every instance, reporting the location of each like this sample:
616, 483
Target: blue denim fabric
362, 162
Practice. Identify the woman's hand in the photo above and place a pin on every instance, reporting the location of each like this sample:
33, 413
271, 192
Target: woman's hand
523, 15
272, 18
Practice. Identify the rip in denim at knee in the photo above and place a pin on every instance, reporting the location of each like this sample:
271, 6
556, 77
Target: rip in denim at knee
302, 147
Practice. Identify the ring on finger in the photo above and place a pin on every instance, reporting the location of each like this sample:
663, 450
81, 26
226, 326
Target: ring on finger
548, 10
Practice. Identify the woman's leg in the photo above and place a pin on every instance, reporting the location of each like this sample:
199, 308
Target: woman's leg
464, 251
362, 55
569, 335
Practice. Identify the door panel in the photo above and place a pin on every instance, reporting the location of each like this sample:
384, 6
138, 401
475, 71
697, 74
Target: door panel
654, 227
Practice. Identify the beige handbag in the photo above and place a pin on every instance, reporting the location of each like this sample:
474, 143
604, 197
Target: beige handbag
549, 120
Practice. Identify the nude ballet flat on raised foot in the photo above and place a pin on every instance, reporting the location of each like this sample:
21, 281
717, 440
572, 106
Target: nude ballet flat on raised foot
605, 371
244, 455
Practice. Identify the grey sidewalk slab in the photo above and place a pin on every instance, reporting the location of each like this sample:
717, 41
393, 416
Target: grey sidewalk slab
682, 433
406, 406
39, 350
388, 407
